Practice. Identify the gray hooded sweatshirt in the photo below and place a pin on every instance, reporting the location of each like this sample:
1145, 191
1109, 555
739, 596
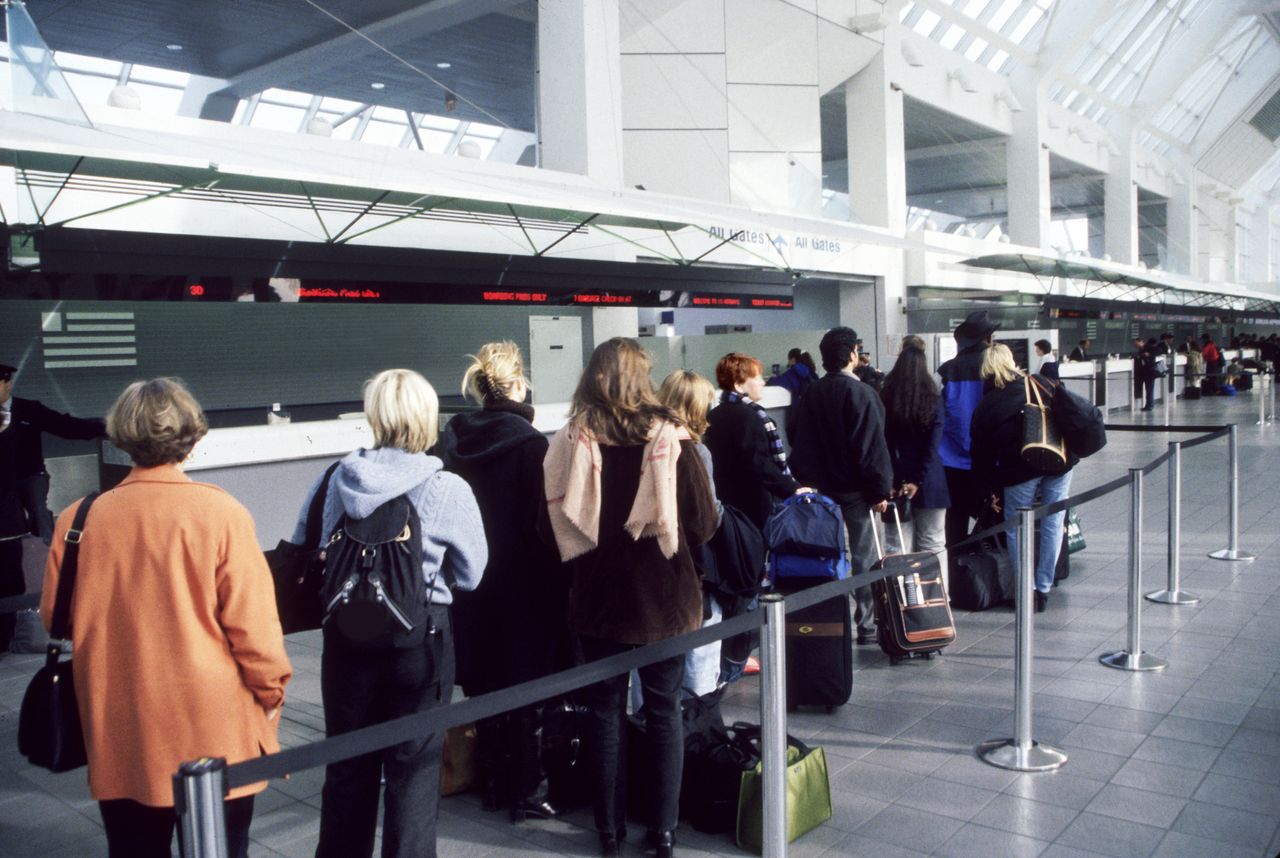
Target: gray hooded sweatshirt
454, 551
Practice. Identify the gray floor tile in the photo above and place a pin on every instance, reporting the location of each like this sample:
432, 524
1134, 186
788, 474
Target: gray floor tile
1179, 845
1104, 739
1088, 763
1158, 777
1222, 712
1175, 753
970, 770
1194, 730
1137, 805
1250, 766
1248, 828
946, 798
910, 828
1235, 792
1110, 836
875, 781
858, 845
1022, 816
849, 810
1060, 788
1120, 718
975, 841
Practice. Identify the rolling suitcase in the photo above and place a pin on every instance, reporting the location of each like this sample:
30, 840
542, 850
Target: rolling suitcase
819, 652
913, 614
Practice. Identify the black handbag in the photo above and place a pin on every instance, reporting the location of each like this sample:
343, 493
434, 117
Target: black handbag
298, 571
49, 732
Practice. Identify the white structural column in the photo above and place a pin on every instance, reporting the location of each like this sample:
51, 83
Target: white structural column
579, 88
877, 148
774, 125
1182, 228
1120, 204
1030, 193
1259, 246
675, 119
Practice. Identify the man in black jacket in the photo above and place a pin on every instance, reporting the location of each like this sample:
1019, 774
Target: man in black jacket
839, 448
24, 482
1144, 374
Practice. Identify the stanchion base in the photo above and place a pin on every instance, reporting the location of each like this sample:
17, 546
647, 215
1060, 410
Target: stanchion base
1173, 597
1123, 660
1005, 754
1233, 555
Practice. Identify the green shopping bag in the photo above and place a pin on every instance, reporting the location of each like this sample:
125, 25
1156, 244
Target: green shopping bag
808, 793
1075, 533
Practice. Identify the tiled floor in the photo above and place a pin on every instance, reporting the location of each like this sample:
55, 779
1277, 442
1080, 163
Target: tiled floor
1182, 762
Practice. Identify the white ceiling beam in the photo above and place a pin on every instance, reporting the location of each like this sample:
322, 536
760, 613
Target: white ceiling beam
964, 147
1069, 33
1184, 56
412, 23
955, 16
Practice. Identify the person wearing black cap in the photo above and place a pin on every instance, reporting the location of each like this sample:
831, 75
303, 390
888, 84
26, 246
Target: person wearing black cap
24, 482
962, 390
839, 447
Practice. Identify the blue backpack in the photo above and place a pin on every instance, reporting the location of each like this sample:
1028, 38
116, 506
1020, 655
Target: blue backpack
806, 539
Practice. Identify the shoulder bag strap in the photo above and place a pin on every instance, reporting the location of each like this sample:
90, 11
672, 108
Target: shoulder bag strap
315, 513
61, 624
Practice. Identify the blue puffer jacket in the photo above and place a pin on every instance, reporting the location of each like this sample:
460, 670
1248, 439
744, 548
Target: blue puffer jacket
961, 393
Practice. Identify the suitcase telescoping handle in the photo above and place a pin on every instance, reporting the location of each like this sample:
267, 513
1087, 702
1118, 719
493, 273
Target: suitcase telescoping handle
875, 530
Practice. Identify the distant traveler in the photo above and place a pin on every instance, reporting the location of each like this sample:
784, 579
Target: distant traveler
913, 429
360, 686
840, 449
1212, 357
961, 392
178, 648
795, 379
511, 628
627, 497
750, 464
868, 373
1045, 362
24, 481
1144, 374
1003, 478
1080, 352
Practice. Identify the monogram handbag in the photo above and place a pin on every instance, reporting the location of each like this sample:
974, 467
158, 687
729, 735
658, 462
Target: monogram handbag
1043, 447
49, 733
298, 571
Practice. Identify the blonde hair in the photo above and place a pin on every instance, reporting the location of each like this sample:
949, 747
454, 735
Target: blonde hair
402, 409
495, 370
690, 397
156, 422
998, 365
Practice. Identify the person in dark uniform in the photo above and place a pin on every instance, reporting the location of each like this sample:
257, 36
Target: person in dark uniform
1080, 352
24, 482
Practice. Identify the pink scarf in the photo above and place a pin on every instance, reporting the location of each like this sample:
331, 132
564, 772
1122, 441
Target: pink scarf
571, 472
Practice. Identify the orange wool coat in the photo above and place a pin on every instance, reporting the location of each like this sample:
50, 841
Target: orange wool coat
178, 651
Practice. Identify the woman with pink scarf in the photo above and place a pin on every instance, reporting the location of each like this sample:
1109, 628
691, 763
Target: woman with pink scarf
627, 498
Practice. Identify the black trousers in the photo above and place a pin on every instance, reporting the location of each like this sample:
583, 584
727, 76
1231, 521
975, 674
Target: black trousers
12, 583
965, 503
607, 751
137, 830
364, 687
1147, 389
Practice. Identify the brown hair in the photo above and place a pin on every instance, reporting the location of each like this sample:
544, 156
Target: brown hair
735, 368
615, 398
156, 422
690, 397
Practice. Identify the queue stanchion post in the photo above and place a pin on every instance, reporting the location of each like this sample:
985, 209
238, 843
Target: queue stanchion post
1134, 658
1262, 400
1232, 552
1022, 753
199, 788
773, 725
1173, 594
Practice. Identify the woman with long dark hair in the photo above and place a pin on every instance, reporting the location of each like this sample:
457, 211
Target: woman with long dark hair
627, 497
914, 418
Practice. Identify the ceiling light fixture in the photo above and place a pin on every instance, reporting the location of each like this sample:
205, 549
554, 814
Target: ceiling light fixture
911, 56
1009, 100
958, 75
444, 65
173, 47
377, 84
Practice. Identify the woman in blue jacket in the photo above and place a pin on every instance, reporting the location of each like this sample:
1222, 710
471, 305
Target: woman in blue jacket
914, 417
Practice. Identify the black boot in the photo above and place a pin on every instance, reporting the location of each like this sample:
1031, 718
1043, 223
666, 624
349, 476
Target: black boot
662, 842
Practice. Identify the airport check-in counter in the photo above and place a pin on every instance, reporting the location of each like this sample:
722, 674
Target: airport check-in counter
270, 468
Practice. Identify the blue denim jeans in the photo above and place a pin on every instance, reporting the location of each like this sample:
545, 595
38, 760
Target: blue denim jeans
1034, 492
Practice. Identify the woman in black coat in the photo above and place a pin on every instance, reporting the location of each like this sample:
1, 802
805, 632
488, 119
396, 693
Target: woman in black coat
511, 628
750, 465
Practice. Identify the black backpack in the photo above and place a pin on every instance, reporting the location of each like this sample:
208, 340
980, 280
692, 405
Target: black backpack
373, 594
732, 561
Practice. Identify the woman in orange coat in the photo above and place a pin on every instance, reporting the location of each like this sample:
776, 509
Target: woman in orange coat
178, 649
